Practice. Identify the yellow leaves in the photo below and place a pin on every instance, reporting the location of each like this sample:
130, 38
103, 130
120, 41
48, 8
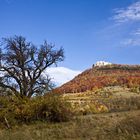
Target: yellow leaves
50, 108
88, 107
102, 108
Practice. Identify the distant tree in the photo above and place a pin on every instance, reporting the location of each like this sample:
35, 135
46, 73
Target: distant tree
22, 65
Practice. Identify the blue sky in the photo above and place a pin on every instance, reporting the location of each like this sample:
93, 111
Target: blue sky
88, 30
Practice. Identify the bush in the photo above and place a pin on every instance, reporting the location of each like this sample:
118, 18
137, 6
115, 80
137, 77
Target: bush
58, 110
50, 108
135, 89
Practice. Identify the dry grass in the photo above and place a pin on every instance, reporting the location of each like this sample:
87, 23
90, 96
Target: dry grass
123, 125
119, 122
109, 99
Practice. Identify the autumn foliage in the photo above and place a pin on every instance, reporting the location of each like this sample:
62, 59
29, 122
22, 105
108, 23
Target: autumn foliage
99, 77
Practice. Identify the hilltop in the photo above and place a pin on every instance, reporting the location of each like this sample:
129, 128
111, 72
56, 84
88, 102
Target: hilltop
103, 105
100, 76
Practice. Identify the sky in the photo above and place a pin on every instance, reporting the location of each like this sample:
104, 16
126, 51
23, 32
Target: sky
88, 30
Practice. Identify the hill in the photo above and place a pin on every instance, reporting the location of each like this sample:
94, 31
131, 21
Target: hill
102, 76
106, 110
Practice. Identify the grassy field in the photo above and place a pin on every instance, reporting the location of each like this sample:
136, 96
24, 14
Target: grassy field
110, 113
109, 99
107, 126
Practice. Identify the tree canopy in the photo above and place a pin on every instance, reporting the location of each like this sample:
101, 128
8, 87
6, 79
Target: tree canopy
22, 65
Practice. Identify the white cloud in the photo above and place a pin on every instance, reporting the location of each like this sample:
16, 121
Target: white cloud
134, 39
130, 13
126, 15
137, 32
131, 42
61, 75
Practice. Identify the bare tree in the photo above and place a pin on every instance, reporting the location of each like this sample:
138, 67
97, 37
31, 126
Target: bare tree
22, 65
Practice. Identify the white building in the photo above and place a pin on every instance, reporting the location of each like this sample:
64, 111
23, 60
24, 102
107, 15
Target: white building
102, 63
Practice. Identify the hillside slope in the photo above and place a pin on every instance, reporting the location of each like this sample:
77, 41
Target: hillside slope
99, 77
